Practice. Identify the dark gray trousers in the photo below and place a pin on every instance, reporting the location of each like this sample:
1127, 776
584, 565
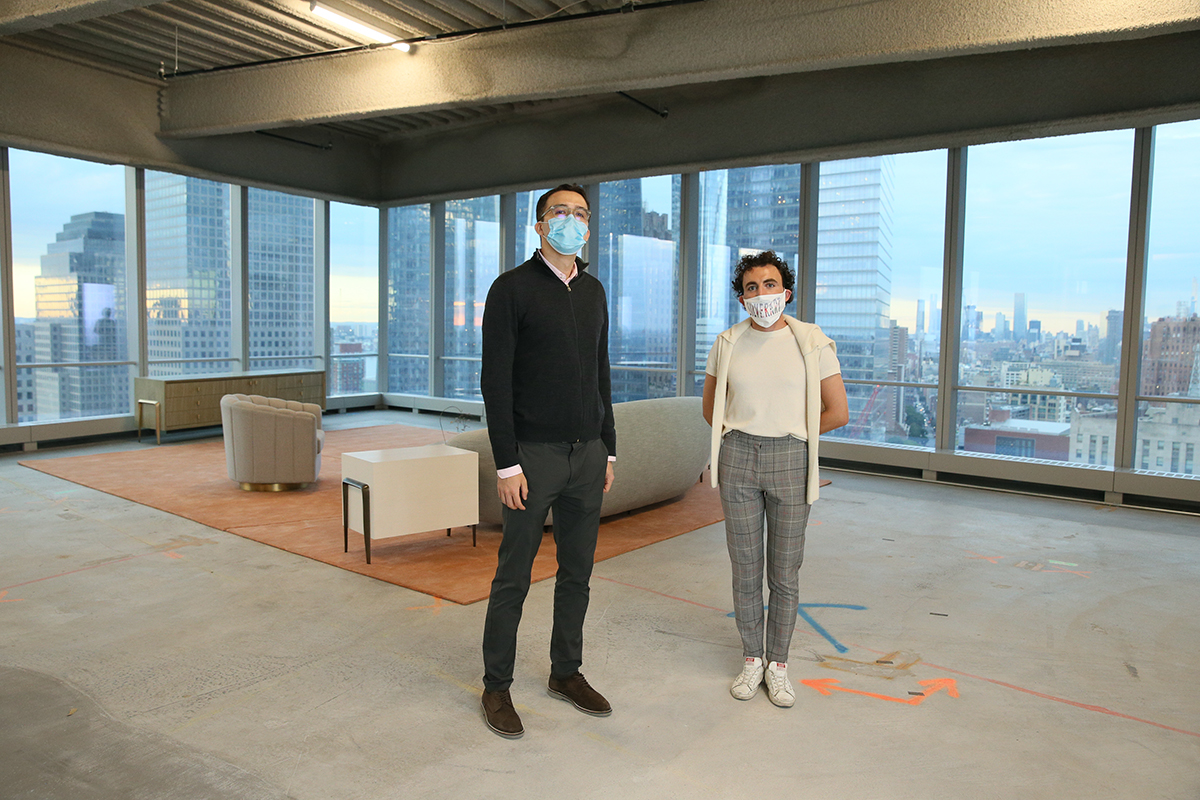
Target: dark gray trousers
568, 477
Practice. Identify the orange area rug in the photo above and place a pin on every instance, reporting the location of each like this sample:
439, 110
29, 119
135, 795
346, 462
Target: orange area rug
189, 480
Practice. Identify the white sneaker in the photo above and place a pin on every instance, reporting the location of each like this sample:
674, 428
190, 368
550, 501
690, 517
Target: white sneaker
746, 685
779, 688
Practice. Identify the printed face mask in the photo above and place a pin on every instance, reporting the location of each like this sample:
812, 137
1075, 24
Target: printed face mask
566, 235
765, 309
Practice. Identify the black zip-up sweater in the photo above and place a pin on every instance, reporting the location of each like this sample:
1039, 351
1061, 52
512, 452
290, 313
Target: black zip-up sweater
545, 360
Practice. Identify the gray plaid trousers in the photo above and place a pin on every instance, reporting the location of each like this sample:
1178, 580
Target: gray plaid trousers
762, 476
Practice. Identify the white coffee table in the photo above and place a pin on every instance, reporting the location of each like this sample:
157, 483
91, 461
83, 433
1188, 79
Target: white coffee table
407, 490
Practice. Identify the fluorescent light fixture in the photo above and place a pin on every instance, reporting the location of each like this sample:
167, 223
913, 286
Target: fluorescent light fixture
360, 28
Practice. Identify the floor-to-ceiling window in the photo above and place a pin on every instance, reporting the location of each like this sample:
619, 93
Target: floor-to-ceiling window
69, 292
526, 236
472, 263
637, 260
353, 299
880, 235
741, 211
1168, 419
280, 279
408, 299
1046, 240
188, 285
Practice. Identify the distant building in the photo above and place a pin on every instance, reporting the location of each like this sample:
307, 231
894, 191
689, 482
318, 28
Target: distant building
1110, 348
1168, 437
1169, 355
408, 299
26, 381
1092, 436
854, 282
188, 303
80, 295
346, 374
1019, 438
1167, 440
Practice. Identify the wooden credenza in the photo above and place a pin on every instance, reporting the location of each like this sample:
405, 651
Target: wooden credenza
194, 401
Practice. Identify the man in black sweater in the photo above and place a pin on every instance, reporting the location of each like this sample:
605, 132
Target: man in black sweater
546, 389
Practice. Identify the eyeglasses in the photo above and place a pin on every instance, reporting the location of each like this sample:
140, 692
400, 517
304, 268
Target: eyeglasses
559, 212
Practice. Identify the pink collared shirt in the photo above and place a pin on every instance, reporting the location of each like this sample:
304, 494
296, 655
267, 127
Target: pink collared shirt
564, 278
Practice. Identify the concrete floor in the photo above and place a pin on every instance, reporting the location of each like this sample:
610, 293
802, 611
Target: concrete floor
147, 656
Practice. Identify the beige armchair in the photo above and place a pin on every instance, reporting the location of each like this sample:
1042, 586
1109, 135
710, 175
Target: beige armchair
271, 445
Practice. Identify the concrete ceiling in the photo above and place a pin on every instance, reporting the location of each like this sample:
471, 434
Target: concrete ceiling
266, 93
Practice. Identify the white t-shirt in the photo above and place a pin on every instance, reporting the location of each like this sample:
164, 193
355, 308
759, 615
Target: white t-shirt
767, 385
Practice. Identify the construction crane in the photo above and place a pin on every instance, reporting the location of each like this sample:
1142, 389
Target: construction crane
860, 423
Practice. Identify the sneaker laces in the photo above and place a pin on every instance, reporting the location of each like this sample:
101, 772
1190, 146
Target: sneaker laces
750, 670
779, 679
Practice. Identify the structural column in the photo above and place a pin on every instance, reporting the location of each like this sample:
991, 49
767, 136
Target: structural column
952, 270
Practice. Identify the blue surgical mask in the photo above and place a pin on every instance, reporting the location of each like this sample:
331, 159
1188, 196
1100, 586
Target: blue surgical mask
566, 235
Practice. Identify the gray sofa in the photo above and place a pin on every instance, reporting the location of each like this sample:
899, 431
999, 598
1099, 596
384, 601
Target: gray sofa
271, 444
662, 447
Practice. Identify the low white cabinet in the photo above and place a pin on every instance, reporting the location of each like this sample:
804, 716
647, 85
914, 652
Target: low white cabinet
409, 490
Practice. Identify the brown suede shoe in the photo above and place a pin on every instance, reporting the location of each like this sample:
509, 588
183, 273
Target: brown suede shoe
499, 714
575, 689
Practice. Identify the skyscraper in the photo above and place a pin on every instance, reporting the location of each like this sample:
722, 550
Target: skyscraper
188, 299
637, 262
281, 279
80, 318
854, 277
408, 296
188, 278
1020, 321
1110, 347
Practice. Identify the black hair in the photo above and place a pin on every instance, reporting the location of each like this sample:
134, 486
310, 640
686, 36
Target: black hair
565, 187
766, 258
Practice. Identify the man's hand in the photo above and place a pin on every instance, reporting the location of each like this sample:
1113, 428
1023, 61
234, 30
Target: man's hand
608, 476
514, 490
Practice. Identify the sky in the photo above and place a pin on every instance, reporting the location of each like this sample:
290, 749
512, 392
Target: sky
1050, 218
1046, 217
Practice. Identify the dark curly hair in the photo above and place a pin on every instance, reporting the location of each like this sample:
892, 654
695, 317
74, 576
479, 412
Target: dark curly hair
766, 258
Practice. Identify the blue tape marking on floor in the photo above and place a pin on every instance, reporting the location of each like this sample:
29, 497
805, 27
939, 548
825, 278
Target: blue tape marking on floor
804, 615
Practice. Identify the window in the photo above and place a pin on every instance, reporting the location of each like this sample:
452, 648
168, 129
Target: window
527, 238
637, 260
408, 299
188, 313
281, 281
879, 265
741, 211
472, 263
68, 242
1018, 447
1045, 240
353, 299
1170, 368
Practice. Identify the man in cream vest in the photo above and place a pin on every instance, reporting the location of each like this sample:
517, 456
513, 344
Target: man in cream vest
772, 386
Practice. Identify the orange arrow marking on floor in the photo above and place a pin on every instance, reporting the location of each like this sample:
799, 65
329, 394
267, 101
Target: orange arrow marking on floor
828, 686
992, 559
4, 593
437, 606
